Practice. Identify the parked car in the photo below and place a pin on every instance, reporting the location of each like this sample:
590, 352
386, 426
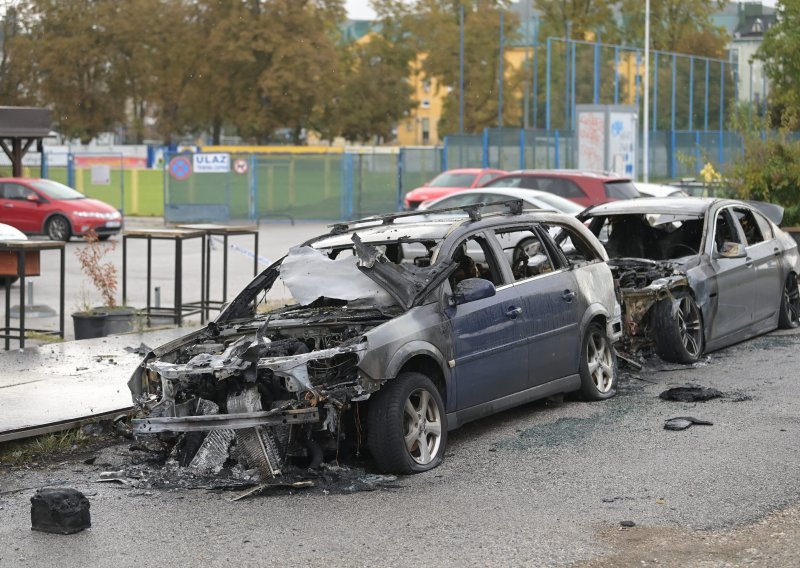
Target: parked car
43, 206
375, 349
584, 188
698, 274
449, 182
659, 190
531, 198
9, 233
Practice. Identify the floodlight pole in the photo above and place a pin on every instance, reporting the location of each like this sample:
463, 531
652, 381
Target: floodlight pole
646, 133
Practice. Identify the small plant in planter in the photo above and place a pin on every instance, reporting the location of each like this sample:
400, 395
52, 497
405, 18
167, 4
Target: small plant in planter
103, 276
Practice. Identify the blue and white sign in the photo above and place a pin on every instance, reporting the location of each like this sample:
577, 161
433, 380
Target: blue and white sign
212, 163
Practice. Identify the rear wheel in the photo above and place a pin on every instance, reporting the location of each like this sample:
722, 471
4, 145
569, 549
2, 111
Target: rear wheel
407, 427
58, 228
598, 367
790, 304
103, 237
679, 328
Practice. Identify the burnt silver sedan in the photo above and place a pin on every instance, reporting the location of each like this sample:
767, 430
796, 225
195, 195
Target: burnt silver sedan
698, 274
354, 339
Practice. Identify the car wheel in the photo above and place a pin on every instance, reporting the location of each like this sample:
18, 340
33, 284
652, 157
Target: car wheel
407, 425
103, 237
58, 228
598, 365
790, 304
679, 328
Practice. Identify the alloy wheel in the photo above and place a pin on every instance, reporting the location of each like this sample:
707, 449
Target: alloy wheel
423, 427
791, 299
689, 326
600, 362
58, 229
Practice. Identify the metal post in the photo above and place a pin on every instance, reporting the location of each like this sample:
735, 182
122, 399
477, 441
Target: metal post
547, 90
400, 156
526, 106
522, 149
63, 269
596, 86
149, 269
567, 91
646, 113
691, 92
655, 93
225, 268
179, 280
616, 74
674, 93
721, 108
572, 89
705, 109
557, 157
536, 75
124, 270
21, 272
500, 74
8, 314
444, 155
461, 71
485, 147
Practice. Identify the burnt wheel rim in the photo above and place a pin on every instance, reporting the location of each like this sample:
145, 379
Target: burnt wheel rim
58, 229
689, 326
423, 427
791, 299
600, 363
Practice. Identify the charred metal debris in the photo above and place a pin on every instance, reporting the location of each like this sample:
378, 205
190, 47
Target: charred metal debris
267, 394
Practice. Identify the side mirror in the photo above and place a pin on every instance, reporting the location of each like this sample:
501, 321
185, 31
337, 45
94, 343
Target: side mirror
732, 250
33, 198
472, 289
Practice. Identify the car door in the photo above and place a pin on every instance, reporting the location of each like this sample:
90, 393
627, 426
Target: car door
736, 287
18, 210
763, 260
550, 302
490, 358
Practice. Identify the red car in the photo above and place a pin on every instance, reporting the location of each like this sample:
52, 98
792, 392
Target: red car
584, 188
43, 206
449, 182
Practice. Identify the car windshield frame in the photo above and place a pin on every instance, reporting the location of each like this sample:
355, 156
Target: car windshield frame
56, 191
453, 179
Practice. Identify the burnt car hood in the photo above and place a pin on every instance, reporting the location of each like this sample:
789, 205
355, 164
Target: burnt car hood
408, 285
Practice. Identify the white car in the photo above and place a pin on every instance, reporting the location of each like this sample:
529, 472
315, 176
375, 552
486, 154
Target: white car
659, 190
9, 233
532, 199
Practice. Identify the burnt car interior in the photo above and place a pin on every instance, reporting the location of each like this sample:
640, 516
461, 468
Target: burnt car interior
650, 236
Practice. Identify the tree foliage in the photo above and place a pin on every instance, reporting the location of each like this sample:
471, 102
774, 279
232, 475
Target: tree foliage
780, 52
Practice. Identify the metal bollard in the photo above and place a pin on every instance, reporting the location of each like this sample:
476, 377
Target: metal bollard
158, 296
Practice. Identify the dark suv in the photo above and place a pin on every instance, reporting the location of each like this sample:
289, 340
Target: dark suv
584, 188
388, 332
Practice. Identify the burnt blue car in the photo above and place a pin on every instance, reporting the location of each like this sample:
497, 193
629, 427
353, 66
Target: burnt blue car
352, 340
698, 274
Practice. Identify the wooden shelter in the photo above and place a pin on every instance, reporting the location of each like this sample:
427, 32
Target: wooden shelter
20, 127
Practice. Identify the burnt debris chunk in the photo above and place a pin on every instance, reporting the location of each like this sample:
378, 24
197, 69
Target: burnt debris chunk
59, 510
690, 393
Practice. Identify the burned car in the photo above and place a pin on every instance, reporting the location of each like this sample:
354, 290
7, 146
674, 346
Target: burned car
385, 334
698, 274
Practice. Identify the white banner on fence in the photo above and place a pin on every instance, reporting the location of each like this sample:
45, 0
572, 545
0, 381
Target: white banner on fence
101, 174
211, 163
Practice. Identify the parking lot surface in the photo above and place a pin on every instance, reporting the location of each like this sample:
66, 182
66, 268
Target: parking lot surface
541, 485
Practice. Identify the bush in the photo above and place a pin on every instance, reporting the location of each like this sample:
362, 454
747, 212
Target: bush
769, 168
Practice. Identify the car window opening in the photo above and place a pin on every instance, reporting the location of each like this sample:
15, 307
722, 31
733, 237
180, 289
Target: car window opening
654, 237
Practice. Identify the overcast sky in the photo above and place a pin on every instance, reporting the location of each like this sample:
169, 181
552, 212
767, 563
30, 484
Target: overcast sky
359, 10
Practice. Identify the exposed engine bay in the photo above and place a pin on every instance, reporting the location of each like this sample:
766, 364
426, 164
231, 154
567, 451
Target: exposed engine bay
264, 392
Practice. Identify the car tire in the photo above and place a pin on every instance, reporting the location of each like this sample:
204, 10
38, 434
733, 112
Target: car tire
598, 364
678, 328
58, 228
407, 425
103, 237
790, 304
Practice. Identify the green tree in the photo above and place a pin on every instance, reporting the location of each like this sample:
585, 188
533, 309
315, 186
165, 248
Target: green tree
436, 26
65, 50
12, 65
374, 92
780, 52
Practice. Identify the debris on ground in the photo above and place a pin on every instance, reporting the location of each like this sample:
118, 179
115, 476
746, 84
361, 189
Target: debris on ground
627, 524
690, 393
141, 350
59, 510
683, 422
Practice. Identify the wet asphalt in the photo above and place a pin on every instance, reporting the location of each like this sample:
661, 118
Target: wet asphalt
534, 486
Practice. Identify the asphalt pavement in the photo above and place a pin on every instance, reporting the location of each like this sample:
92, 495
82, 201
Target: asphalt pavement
545, 484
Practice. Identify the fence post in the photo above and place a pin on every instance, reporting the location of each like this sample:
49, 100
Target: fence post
596, 85
253, 188
71, 170
522, 148
400, 160
485, 152
557, 157
547, 89
43, 169
346, 195
697, 159
444, 155
500, 74
672, 160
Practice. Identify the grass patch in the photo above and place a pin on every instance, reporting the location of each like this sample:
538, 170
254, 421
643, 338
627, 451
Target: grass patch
51, 447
